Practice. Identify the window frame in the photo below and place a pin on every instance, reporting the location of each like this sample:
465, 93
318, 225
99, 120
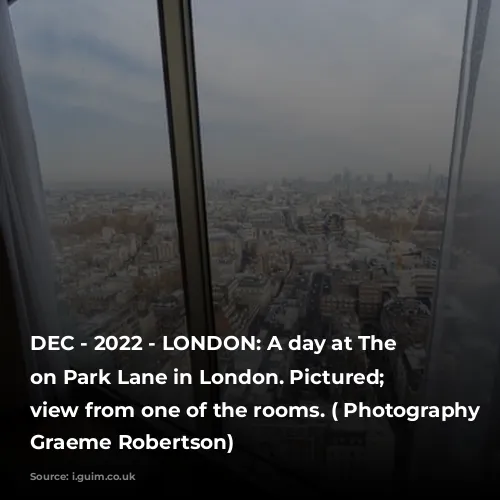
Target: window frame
181, 96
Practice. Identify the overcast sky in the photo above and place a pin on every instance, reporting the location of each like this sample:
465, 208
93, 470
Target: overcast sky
287, 87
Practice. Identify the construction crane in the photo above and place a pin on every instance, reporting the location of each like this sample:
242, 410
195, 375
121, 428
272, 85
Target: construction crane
405, 227
419, 211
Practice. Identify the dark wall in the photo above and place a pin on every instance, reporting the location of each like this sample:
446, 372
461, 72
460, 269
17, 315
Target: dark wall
13, 384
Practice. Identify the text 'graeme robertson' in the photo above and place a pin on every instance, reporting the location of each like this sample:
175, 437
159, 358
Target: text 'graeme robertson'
126, 442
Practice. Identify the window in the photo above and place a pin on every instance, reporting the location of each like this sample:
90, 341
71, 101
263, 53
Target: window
94, 78
326, 129
465, 343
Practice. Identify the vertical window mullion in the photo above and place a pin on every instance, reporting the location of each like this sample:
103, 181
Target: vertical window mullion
183, 121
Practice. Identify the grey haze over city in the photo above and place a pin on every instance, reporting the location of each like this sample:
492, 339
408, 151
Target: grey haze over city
357, 223
287, 87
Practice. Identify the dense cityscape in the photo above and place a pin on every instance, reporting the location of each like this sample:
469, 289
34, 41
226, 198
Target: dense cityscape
322, 260
396, 241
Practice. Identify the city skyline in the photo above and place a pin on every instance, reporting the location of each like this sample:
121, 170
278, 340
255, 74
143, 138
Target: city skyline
322, 260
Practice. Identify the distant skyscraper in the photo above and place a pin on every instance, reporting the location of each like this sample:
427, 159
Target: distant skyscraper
390, 178
347, 176
440, 183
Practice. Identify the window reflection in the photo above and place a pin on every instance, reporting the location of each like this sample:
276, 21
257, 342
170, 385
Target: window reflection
465, 343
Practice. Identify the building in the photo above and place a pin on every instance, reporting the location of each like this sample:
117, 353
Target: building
369, 300
424, 281
254, 290
409, 374
342, 299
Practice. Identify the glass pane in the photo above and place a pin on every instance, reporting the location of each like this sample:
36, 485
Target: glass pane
326, 131
93, 72
465, 348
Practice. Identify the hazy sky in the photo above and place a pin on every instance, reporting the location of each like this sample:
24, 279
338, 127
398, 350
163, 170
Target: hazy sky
287, 87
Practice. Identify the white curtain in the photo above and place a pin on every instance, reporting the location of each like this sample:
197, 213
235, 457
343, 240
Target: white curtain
23, 219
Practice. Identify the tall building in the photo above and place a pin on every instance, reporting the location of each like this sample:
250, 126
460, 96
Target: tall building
346, 177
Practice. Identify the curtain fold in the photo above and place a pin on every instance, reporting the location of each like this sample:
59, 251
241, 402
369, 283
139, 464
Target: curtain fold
23, 219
